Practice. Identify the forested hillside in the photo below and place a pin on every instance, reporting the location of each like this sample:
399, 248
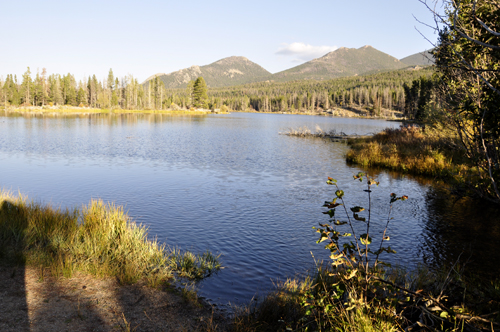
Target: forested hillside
388, 90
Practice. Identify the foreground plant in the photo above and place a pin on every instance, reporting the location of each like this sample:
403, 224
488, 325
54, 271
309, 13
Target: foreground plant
364, 288
358, 291
100, 239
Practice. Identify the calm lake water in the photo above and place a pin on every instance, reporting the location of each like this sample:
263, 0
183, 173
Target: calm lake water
233, 185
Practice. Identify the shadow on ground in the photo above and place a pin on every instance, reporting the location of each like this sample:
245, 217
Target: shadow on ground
33, 302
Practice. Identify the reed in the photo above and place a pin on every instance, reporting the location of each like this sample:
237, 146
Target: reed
100, 239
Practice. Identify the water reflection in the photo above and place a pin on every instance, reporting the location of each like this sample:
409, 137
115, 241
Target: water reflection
461, 227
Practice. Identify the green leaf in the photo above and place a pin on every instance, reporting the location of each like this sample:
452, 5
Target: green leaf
444, 314
357, 209
340, 223
331, 181
339, 193
324, 237
359, 176
358, 218
335, 256
330, 212
331, 246
365, 239
334, 205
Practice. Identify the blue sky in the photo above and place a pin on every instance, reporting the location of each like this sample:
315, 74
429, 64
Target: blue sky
147, 37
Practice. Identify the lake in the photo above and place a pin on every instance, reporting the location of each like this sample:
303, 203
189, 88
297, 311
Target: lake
233, 185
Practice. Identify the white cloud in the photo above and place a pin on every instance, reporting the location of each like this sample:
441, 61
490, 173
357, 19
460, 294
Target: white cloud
304, 52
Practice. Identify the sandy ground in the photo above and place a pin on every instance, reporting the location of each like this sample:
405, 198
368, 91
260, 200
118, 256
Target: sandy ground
83, 303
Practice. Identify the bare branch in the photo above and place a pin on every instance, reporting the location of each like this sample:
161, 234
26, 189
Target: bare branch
435, 28
433, 44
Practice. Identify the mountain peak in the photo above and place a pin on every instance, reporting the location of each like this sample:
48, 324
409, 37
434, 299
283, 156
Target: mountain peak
232, 59
232, 70
342, 62
235, 70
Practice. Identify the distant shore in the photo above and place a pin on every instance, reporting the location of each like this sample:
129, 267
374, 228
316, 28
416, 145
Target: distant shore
335, 112
90, 110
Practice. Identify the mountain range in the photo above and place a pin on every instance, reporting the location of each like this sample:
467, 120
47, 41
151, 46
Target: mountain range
236, 70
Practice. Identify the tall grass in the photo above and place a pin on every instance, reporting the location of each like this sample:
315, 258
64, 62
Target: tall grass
433, 151
310, 305
99, 239
313, 304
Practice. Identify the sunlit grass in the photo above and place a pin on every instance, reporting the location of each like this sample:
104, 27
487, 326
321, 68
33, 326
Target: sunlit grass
431, 152
308, 305
313, 304
99, 239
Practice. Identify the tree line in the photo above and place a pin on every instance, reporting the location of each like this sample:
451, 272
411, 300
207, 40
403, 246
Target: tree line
396, 90
55, 89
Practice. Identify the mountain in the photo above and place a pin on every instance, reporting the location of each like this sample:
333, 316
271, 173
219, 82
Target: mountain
236, 70
233, 70
342, 62
419, 59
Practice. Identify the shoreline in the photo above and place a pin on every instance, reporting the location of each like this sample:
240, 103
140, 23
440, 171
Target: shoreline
94, 267
337, 112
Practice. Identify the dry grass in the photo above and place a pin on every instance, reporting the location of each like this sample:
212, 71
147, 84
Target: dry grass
433, 152
309, 305
304, 131
99, 239
313, 304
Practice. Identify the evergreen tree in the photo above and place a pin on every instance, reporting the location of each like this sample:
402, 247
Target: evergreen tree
200, 97
468, 57
26, 88
111, 80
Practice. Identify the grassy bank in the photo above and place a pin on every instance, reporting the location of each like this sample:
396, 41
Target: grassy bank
398, 301
431, 152
99, 239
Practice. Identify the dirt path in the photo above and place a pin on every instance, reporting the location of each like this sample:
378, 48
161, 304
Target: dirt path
83, 303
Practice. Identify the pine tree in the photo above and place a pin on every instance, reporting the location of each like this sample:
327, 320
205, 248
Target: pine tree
26, 87
200, 97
